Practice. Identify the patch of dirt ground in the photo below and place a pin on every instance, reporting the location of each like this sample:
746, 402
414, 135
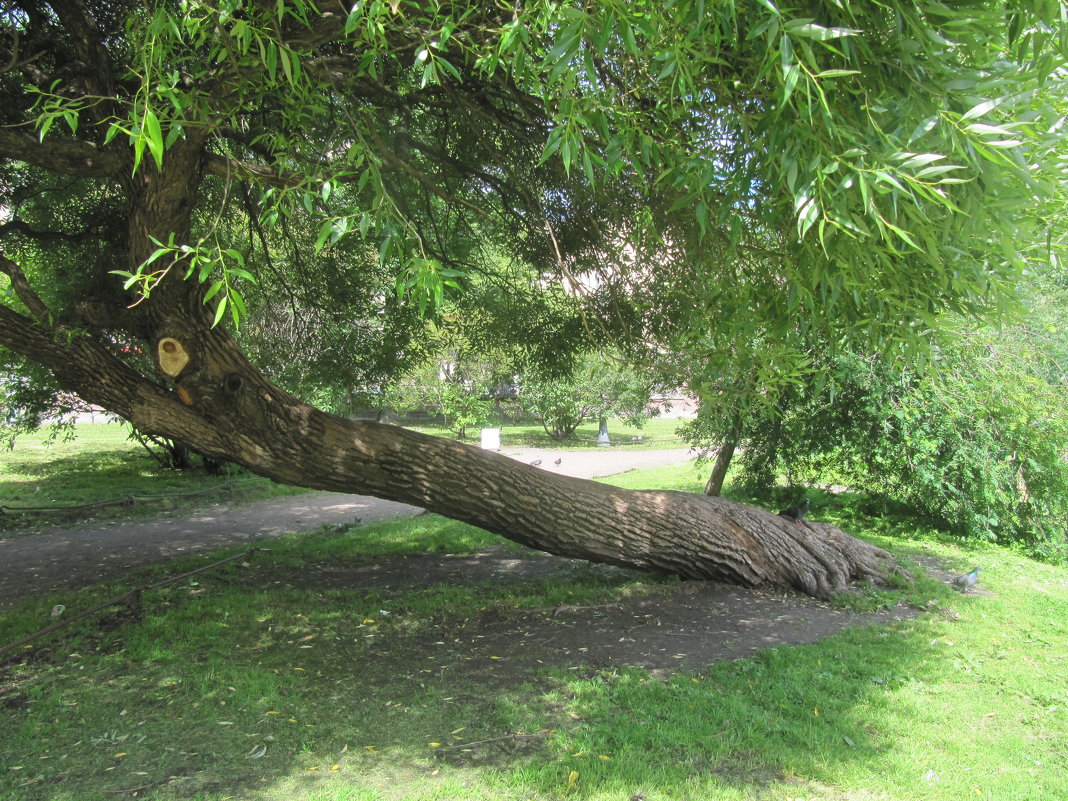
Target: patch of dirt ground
39, 559
659, 626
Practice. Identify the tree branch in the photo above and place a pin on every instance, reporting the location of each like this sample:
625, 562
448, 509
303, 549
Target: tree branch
30, 232
224, 167
24, 292
16, 61
428, 183
64, 156
82, 365
87, 39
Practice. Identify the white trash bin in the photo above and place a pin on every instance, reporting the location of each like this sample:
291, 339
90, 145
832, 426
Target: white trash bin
491, 439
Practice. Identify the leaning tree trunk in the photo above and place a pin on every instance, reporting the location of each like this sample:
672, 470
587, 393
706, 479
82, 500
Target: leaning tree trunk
214, 400
225, 408
714, 485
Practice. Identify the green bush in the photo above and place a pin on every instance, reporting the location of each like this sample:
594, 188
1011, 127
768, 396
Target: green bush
978, 444
981, 447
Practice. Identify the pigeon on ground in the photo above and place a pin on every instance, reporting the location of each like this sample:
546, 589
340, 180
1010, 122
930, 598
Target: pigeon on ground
796, 513
967, 581
557, 462
535, 463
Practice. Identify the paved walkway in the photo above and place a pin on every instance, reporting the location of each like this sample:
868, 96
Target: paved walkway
75, 557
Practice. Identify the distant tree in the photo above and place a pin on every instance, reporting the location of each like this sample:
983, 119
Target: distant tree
597, 388
458, 394
463, 406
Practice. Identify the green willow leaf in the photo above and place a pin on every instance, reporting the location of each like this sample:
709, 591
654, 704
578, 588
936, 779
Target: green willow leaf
220, 310
154, 137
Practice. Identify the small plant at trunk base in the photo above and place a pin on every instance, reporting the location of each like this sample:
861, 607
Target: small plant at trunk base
174, 455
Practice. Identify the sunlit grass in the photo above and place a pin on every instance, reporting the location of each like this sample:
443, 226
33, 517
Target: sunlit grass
657, 432
684, 477
100, 464
257, 683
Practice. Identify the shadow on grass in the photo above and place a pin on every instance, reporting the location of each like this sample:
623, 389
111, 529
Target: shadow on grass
232, 684
268, 682
98, 484
261, 715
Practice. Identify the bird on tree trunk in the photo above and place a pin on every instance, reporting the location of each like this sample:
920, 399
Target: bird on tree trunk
797, 512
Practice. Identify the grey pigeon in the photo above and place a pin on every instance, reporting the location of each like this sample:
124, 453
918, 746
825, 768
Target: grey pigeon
535, 463
967, 581
796, 513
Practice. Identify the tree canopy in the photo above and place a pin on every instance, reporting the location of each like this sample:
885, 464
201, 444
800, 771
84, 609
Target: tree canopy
721, 170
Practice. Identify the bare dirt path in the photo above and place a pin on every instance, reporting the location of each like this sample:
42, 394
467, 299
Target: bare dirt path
80, 555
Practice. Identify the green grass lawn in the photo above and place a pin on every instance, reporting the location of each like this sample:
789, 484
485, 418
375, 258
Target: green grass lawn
102, 464
259, 683
658, 432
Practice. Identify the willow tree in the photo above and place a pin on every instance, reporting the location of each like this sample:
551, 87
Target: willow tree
710, 171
